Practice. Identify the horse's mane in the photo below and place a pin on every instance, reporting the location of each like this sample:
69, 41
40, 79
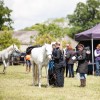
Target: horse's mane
28, 50
7, 48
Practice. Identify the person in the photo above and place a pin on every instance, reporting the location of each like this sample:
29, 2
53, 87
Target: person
28, 63
82, 68
66, 52
70, 62
59, 67
97, 59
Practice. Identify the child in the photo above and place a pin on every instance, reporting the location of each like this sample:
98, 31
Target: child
28, 63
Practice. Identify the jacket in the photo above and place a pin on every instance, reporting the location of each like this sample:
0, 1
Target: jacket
69, 54
58, 59
82, 62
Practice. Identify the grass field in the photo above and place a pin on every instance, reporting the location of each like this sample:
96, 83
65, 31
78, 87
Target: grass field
17, 85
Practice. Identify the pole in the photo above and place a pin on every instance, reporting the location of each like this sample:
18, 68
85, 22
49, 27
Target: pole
92, 55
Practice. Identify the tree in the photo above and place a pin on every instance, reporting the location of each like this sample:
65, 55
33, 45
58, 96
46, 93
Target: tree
62, 22
5, 20
6, 40
85, 16
45, 38
51, 28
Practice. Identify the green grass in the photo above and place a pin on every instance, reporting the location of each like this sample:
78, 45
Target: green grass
17, 85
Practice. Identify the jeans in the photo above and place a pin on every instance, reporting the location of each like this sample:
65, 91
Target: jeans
71, 71
98, 67
82, 76
28, 63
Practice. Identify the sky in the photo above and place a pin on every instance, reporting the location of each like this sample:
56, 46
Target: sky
29, 12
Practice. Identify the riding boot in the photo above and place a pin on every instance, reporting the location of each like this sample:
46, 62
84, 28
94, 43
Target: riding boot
84, 81
81, 83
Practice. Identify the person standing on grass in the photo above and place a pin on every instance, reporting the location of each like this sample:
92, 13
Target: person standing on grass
97, 59
59, 68
28, 63
70, 62
82, 68
66, 52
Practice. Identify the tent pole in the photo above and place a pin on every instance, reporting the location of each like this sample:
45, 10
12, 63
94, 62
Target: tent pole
92, 55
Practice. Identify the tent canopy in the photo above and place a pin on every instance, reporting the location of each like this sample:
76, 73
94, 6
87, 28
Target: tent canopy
93, 33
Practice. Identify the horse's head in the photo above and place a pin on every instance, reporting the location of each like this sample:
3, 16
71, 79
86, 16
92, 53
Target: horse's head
15, 48
48, 48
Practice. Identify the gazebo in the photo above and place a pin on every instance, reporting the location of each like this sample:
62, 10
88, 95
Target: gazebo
90, 38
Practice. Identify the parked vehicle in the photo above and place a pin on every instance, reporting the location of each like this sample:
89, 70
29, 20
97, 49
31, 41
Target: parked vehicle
22, 58
15, 58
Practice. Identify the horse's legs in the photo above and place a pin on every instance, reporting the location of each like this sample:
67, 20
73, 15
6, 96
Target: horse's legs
46, 67
5, 66
33, 65
8, 63
36, 74
39, 72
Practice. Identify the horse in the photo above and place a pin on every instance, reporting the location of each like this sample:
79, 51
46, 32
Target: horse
40, 57
5, 55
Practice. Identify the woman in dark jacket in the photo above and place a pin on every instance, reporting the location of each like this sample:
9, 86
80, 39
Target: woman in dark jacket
70, 61
59, 69
82, 64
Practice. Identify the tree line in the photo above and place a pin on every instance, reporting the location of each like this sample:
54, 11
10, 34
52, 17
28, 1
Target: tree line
85, 16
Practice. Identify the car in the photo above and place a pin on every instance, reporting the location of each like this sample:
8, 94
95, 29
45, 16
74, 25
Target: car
22, 58
15, 58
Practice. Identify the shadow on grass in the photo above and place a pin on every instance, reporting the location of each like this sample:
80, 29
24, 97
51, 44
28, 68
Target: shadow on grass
79, 86
2, 73
43, 85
